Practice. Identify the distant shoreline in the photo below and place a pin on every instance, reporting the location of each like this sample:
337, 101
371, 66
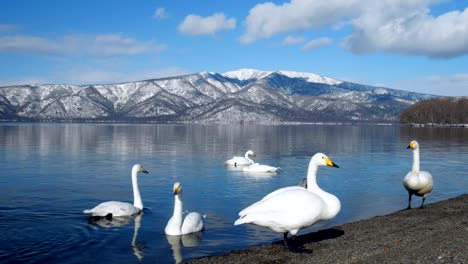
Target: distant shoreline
437, 125
337, 123
435, 234
102, 121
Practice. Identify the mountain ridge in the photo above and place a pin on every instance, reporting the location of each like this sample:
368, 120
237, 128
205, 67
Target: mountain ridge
245, 95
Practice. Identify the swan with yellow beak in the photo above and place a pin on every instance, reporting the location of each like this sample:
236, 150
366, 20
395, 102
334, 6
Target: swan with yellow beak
417, 182
289, 209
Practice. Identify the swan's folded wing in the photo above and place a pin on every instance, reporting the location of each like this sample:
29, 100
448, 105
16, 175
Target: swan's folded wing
193, 222
290, 209
115, 208
246, 210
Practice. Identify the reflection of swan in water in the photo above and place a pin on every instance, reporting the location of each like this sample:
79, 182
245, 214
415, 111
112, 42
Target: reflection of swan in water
234, 168
107, 222
137, 248
241, 161
189, 240
115, 209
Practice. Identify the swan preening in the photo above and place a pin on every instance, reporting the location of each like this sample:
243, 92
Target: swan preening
116, 209
289, 209
241, 161
417, 182
193, 221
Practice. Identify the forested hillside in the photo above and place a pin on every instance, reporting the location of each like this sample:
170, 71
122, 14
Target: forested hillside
444, 110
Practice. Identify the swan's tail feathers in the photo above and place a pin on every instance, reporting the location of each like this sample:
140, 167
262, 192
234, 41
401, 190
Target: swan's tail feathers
204, 216
241, 221
87, 211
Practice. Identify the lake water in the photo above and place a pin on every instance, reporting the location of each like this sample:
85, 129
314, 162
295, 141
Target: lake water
51, 172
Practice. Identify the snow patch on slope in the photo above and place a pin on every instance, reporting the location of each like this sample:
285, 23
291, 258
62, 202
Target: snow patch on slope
246, 74
249, 74
310, 77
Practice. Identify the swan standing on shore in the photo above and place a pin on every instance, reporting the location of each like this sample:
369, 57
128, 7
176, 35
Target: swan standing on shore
417, 182
241, 161
289, 209
116, 209
193, 221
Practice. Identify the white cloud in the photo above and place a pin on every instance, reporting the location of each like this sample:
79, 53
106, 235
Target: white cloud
412, 30
99, 45
7, 28
397, 26
23, 81
197, 25
267, 19
103, 76
160, 13
91, 75
317, 43
448, 85
290, 40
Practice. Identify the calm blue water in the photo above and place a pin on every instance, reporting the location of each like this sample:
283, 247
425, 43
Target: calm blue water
51, 172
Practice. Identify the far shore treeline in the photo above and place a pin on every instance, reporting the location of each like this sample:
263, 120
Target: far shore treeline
445, 110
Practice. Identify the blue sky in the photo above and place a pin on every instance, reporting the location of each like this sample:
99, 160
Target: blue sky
418, 45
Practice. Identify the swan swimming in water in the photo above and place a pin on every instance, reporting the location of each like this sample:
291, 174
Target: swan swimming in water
116, 209
417, 182
193, 221
241, 161
289, 209
256, 167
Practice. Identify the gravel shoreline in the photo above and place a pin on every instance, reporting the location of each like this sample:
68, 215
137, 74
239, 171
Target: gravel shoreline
436, 234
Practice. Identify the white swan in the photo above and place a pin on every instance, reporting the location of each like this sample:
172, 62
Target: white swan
417, 182
292, 208
193, 221
241, 161
256, 167
116, 209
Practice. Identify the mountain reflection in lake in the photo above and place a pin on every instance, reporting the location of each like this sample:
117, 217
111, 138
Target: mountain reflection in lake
51, 172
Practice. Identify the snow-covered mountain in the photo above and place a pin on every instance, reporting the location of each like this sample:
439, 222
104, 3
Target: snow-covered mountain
245, 95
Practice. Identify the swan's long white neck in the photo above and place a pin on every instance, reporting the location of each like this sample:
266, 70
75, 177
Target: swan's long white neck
332, 203
416, 160
177, 215
312, 178
247, 157
136, 192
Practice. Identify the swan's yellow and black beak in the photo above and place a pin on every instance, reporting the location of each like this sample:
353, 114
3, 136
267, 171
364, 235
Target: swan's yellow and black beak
330, 163
177, 188
143, 170
411, 145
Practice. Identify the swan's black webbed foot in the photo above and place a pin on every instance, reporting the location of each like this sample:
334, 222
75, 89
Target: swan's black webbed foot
292, 246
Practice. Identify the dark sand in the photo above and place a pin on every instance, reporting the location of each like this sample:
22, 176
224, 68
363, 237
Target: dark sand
436, 234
